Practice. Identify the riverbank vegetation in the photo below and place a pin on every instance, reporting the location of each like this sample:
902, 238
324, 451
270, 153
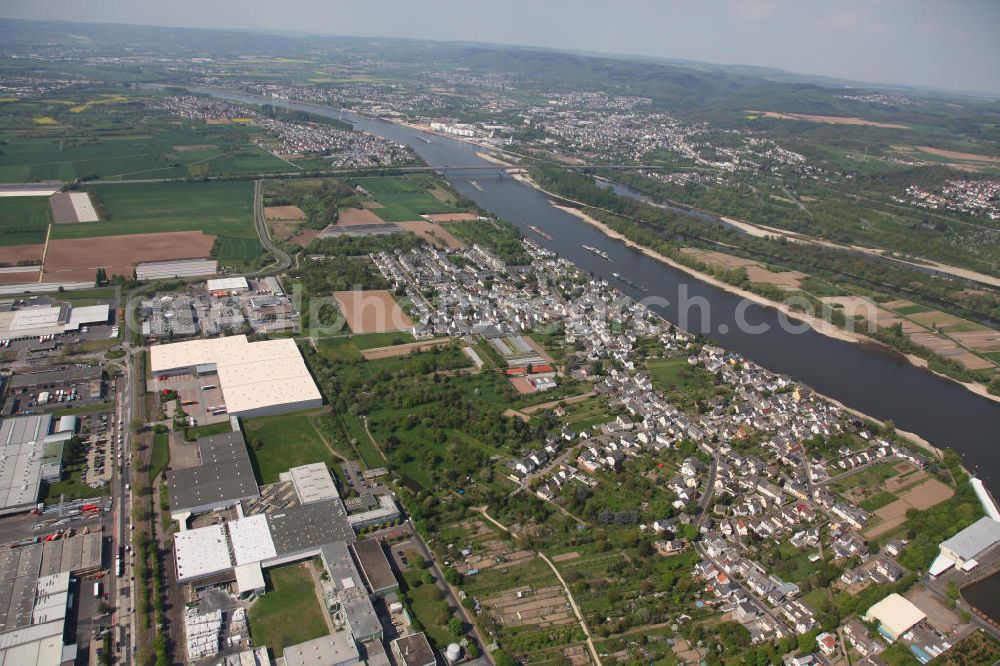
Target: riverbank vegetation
667, 232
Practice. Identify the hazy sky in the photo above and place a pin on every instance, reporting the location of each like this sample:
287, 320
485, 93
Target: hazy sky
951, 44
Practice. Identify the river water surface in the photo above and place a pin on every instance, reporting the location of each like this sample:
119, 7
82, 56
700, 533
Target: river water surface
865, 377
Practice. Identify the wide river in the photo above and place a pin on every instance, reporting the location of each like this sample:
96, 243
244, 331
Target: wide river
865, 377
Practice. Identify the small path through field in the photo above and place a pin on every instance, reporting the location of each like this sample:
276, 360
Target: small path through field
576, 609
45, 251
326, 442
483, 510
364, 422
289, 162
525, 412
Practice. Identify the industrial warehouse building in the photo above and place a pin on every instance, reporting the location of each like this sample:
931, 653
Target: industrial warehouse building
337, 649
224, 477
962, 549
34, 603
264, 540
178, 268
895, 616
413, 650
375, 566
227, 286
256, 378
51, 319
91, 375
30, 453
300, 517
312, 483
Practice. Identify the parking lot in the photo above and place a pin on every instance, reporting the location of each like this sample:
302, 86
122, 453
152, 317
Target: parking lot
200, 397
101, 443
57, 389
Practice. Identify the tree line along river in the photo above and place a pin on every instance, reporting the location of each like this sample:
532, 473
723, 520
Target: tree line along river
865, 377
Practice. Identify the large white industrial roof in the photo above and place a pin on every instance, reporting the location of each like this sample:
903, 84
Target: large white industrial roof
39, 644
251, 539
227, 284
153, 270
974, 539
249, 577
88, 314
201, 552
253, 375
313, 483
50, 319
22, 454
896, 614
336, 648
31, 321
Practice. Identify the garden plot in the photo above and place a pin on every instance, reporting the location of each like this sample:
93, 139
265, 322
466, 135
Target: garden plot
522, 606
489, 549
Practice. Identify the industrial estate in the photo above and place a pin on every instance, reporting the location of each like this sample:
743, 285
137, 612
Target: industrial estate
281, 384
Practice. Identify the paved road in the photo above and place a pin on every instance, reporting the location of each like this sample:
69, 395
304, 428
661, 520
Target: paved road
281, 259
452, 595
134, 473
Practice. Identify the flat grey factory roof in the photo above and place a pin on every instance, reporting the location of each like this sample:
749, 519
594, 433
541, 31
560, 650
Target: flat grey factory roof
354, 598
374, 565
18, 574
225, 474
335, 648
64, 375
974, 539
308, 526
415, 649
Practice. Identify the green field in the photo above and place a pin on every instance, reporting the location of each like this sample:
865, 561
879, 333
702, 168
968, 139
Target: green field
912, 309
23, 220
197, 432
289, 613
423, 601
501, 238
159, 458
279, 442
339, 350
348, 348
124, 141
218, 208
71, 486
356, 431
402, 199
871, 477
590, 412
235, 250
877, 501
682, 384
88, 296
387, 339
